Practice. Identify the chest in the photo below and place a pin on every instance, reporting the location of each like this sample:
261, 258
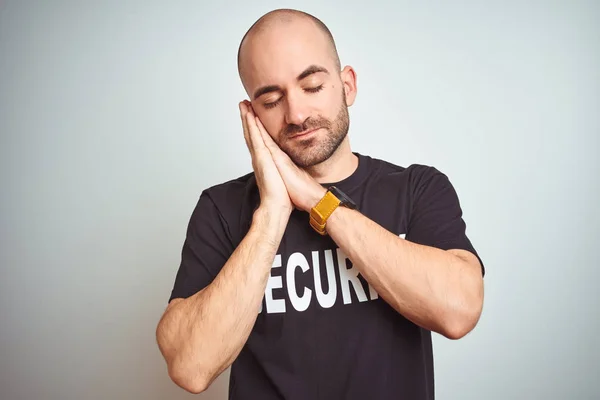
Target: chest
310, 271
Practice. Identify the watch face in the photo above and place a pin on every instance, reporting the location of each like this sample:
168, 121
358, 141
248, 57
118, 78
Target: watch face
345, 200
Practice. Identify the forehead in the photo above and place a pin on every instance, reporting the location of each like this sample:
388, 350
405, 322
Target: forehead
278, 54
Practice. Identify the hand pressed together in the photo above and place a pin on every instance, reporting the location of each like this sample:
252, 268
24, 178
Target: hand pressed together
273, 193
280, 181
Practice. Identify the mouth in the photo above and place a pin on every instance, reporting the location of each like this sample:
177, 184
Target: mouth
304, 134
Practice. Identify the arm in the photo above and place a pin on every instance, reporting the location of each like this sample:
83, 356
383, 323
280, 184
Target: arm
200, 336
440, 290
431, 278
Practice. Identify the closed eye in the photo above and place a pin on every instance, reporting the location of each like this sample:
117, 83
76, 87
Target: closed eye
273, 104
315, 89
309, 90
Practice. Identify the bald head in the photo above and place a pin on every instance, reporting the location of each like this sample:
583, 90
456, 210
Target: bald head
290, 69
278, 21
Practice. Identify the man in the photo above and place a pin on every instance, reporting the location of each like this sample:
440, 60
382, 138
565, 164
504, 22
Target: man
322, 274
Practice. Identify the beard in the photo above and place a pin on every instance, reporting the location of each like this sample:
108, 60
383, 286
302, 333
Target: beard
308, 152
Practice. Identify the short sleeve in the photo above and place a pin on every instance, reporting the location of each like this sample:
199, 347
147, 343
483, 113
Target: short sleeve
436, 217
206, 248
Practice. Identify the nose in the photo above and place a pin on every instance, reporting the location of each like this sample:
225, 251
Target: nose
297, 111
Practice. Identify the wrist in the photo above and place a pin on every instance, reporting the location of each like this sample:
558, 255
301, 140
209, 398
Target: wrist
332, 200
314, 196
272, 213
270, 222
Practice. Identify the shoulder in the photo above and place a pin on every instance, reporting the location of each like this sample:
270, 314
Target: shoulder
415, 174
416, 182
227, 205
231, 191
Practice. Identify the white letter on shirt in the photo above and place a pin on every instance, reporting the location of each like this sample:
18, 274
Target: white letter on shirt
347, 276
325, 300
297, 260
274, 282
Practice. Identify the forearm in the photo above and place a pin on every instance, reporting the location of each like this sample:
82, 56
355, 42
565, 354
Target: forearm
431, 287
202, 335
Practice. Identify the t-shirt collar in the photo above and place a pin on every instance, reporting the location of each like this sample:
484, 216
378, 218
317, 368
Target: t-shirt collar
356, 178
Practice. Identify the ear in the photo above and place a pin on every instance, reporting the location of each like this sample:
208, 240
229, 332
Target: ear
348, 76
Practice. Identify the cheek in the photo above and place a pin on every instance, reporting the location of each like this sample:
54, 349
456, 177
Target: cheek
332, 102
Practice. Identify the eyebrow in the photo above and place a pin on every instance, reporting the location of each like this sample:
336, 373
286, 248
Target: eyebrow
313, 69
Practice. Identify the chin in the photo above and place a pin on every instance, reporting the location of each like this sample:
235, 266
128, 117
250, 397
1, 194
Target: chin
310, 156
316, 149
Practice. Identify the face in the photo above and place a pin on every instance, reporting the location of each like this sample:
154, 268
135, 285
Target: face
297, 91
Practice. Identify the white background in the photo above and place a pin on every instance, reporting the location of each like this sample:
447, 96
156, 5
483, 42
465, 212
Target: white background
115, 115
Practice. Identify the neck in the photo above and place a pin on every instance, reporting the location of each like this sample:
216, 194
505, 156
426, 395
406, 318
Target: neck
339, 166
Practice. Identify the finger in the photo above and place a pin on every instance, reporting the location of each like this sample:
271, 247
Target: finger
276, 152
243, 115
243, 112
270, 144
258, 145
267, 139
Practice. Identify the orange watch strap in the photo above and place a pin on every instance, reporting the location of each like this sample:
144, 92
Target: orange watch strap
321, 212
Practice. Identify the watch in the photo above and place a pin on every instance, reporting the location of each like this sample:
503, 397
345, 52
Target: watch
321, 212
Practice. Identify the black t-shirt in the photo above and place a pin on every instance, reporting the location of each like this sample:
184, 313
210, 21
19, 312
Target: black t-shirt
322, 331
